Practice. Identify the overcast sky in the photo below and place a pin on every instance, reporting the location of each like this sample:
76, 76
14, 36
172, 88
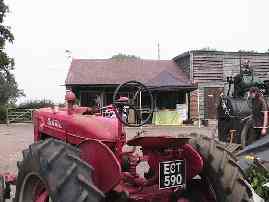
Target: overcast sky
44, 29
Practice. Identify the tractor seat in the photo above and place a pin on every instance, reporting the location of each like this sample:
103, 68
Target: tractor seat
158, 142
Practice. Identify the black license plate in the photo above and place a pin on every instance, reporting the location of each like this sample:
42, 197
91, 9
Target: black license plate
172, 174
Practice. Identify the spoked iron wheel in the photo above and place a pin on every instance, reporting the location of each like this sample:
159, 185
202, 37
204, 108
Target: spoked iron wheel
34, 189
138, 89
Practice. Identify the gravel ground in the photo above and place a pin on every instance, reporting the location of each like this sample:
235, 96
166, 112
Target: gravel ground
13, 139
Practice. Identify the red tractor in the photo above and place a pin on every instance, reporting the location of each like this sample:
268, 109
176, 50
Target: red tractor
80, 156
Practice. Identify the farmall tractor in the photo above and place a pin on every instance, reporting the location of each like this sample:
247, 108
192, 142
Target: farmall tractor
80, 156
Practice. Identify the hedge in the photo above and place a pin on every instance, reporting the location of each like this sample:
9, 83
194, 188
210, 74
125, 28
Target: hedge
36, 104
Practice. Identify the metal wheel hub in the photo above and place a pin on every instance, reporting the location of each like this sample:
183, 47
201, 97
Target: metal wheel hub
34, 189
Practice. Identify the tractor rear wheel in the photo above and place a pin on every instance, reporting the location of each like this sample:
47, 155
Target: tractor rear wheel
51, 171
222, 171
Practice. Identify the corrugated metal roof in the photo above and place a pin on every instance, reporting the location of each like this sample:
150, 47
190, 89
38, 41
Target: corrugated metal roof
116, 71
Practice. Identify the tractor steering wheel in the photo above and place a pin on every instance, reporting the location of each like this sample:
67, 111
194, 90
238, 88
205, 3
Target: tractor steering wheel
131, 103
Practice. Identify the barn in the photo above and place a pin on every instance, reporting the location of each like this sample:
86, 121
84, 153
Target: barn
210, 69
92, 80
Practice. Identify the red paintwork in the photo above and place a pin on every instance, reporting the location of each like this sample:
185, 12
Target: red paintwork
43, 197
40, 193
74, 128
105, 162
101, 141
157, 142
9, 178
194, 161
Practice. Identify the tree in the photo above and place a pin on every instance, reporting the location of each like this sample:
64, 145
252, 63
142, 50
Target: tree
246, 51
8, 86
121, 56
9, 90
36, 104
207, 48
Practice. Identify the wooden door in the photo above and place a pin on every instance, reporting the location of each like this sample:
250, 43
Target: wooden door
211, 100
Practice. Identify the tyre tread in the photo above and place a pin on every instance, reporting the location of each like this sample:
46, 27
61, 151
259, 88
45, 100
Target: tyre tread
222, 169
59, 161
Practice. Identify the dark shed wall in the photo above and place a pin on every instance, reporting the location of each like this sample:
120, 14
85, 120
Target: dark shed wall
184, 63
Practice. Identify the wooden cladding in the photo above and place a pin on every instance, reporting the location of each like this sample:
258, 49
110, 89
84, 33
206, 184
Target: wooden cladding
207, 67
216, 66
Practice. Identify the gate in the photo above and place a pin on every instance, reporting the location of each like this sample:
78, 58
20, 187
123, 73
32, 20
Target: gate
19, 115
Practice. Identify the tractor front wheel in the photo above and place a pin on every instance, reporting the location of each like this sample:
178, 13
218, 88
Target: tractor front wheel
51, 171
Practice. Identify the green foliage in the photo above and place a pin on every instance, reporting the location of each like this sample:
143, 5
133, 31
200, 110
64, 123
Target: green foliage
247, 51
3, 114
207, 48
36, 104
257, 178
9, 90
121, 56
8, 87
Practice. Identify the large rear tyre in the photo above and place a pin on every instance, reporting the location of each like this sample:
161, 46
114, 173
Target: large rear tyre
222, 171
52, 171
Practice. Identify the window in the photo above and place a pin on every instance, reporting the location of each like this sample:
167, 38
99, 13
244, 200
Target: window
90, 99
168, 100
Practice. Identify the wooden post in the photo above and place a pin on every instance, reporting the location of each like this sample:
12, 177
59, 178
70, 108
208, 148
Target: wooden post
189, 105
232, 135
198, 107
32, 111
7, 119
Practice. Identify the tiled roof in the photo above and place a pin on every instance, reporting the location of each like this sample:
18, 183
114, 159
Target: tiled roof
117, 71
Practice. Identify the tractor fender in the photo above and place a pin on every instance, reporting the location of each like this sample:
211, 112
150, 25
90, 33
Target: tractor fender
106, 167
